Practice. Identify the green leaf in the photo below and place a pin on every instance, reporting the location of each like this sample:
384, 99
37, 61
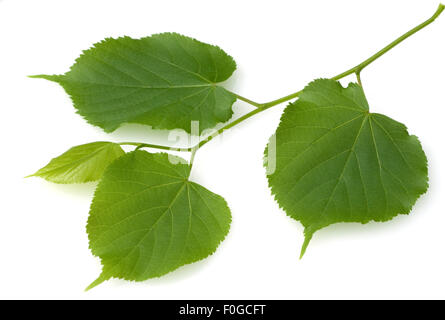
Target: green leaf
336, 162
165, 81
148, 219
83, 163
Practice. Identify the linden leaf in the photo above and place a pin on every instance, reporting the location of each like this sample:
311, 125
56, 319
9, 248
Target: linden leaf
165, 81
83, 163
148, 219
336, 162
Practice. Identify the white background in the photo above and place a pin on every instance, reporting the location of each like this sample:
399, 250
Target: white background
279, 46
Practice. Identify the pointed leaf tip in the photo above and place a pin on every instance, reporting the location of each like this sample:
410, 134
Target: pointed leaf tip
49, 77
102, 278
307, 238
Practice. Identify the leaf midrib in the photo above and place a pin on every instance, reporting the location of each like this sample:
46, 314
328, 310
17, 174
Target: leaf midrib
351, 151
134, 86
148, 230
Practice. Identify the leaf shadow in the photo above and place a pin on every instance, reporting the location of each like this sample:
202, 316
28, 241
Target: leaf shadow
231, 83
176, 138
356, 230
143, 133
85, 190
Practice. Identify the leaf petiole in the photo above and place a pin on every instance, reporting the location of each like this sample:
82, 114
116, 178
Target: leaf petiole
253, 103
359, 78
154, 146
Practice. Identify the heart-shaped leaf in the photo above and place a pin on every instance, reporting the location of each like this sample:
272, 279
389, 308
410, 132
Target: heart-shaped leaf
147, 218
337, 162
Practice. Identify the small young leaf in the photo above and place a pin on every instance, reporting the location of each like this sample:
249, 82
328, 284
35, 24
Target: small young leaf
336, 162
148, 219
166, 81
83, 163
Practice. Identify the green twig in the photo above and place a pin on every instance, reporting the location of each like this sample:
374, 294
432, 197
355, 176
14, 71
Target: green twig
358, 68
154, 146
260, 107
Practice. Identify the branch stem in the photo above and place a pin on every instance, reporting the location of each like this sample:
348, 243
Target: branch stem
358, 68
260, 107
154, 146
